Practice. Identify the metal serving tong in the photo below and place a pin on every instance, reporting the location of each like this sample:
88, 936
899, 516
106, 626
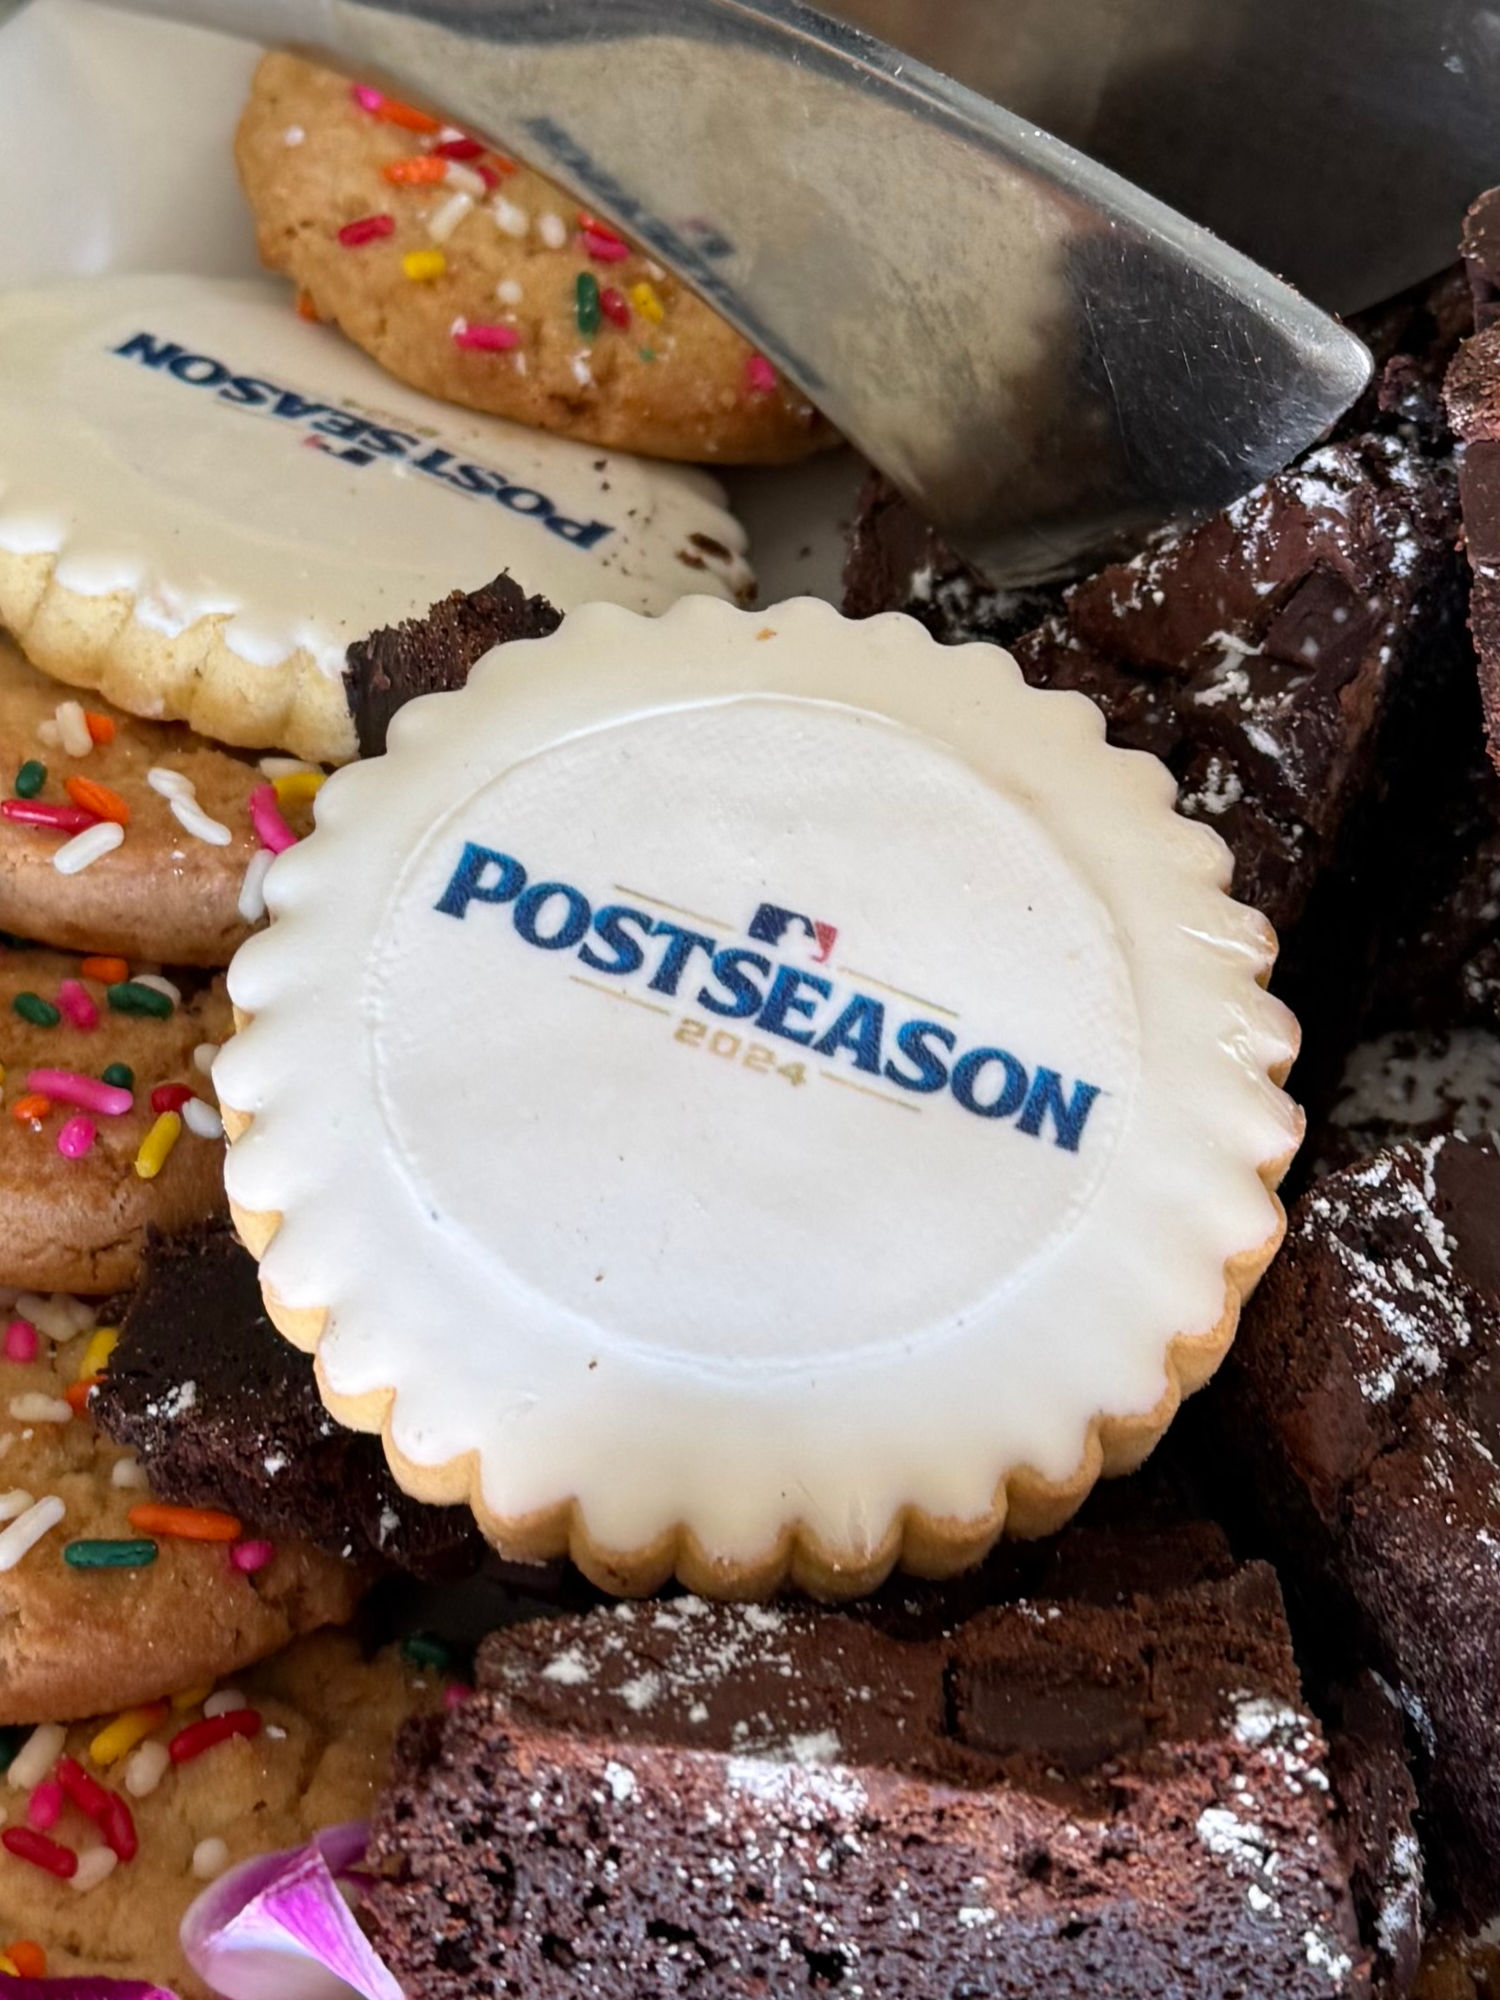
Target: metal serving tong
1041, 356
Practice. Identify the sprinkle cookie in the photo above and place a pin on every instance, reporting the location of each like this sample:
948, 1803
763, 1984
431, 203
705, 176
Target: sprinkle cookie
118, 835
296, 1744
108, 1122
107, 1597
479, 281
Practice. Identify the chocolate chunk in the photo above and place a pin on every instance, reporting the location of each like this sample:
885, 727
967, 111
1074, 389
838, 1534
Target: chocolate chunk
432, 654
1473, 397
1376, 1822
1481, 252
225, 1413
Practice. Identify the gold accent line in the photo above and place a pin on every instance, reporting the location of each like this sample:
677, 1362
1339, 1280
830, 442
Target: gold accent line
869, 979
719, 923
864, 1090
614, 993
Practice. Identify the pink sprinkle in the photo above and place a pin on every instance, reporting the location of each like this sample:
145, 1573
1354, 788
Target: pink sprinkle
605, 249
66, 1086
76, 1137
760, 376
76, 1004
614, 305
487, 174
44, 1807
456, 1694
170, 1097
57, 819
20, 1341
458, 149
366, 230
271, 830
490, 339
251, 1556
366, 97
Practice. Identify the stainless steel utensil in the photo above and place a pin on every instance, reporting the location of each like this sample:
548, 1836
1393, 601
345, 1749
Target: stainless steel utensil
1042, 357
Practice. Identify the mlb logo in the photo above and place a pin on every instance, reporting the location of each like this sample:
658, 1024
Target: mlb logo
771, 923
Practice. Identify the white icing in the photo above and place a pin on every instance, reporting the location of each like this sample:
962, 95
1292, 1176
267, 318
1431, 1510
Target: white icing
633, 1262
190, 492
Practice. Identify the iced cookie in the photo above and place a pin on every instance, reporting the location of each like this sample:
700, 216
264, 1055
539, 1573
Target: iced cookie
204, 500
171, 886
109, 1120
783, 1098
472, 277
107, 1597
309, 1747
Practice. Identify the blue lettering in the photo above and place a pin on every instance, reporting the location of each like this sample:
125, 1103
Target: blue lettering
474, 479
247, 392
582, 534
201, 370
966, 1073
529, 909
627, 953
290, 404
340, 424
1070, 1118
729, 971
432, 461
514, 496
391, 444
145, 347
469, 886
858, 1029
912, 1040
674, 959
784, 999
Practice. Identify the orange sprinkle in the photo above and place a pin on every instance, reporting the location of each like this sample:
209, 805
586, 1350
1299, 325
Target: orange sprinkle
424, 171
502, 163
29, 1959
26, 1110
76, 1395
109, 971
190, 1524
96, 798
101, 727
407, 116
306, 309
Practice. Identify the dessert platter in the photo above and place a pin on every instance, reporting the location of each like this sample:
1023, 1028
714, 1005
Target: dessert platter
728, 1264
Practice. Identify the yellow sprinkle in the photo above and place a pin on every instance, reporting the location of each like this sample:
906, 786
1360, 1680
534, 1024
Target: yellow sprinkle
193, 1697
647, 304
118, 1738
101, 1344
298, 786
157, 1144
8, 1967
422, 265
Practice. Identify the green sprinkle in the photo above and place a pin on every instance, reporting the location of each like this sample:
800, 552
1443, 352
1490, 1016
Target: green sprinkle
33, 1008
588, 306
130, 997
110, 1555
646, 353
424, 1649
120, 1075
10, 1742
30, 779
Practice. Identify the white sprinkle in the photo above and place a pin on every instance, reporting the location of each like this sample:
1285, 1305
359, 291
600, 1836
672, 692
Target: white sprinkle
72, 730
464, 179
35, 1408
510, 291
621, 1782
191, 817
203, 1057
23, 1534
275, 1732
224, 1702
210, 1858
36, 1756
59, 1316
127, 1472
1324, 1956
47, 734
202, 1120
85, 848
569, 1669
145, 1768
509, 216
94, 1863
252, 903
283, 767
158, 984
552, 230
293, 136
170, 784
15, 1502
441, 225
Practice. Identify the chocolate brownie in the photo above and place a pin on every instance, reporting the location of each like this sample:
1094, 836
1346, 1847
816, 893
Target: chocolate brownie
1051, 1796
225, 1413
1360, 1406
1473, 398
1375, 1818
432, 654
